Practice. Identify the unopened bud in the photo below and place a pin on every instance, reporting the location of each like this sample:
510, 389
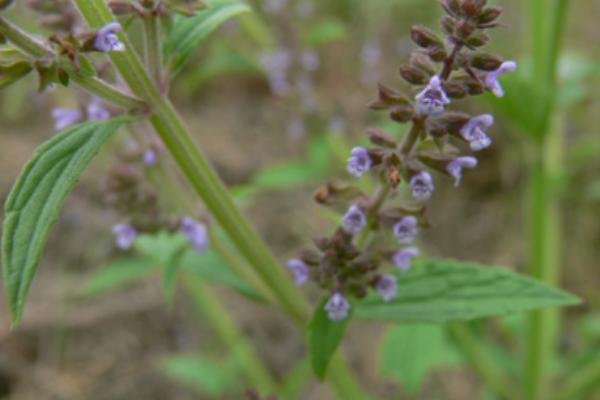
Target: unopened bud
470, 8
455, 90
489, 15
465, 29
121, 7
486, 62
478, 40
402, 114
452, 7
387, 97
437, 54
424, 37
381, 138
413, 75
448, 25
453, 121
422, 62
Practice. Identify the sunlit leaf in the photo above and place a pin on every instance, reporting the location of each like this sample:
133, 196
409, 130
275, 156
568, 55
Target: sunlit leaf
444, 290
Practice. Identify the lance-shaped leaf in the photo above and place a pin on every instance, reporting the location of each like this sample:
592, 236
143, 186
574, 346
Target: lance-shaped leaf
37, 197
439, 291
188, 32
324, 337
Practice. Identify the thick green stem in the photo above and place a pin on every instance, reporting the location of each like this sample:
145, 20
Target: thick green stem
152, 42
207, 184
209, 305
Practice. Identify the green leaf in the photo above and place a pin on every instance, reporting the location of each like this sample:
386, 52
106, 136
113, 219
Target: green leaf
324, 337
117, 274
410, 352
211, 377
188, 32
445, 290
37, 197
325, 32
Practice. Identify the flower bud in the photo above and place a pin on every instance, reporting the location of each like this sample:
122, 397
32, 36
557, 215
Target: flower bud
121, 7
387, 97
455, 90
489, 15
448, 25
470, 8
422, 61
413, 75
402, 114
424, 37
452, 7
336, 192
486, 62
437, 53
478, 40
465, 29
381, 138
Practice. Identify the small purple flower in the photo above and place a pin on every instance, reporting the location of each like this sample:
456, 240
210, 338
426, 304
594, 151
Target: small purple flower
406, 229
276, 64
309, 60
402, 257
474, 132
150, 158
64, 117
491, 80
196, 233
359, 162
354, 220
97, 112
300, 270
432, 100
387, 286
125, 235
422, 186
455, 167
337, 307
107, 40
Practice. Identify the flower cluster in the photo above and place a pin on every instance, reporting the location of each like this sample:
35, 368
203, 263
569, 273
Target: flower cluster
374, 233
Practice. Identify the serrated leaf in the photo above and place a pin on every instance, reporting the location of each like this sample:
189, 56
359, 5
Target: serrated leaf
188, 32
410, 352
117, 274
324, 337
442, 290
37, 197
206, 376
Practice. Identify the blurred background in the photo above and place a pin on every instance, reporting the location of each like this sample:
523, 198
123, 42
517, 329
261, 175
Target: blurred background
276, 98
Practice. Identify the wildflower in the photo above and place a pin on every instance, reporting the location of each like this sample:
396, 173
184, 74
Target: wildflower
402, 257
359, 162
491, 80
64, 117
300, 270
107, 40
96, 112
276, 63
125, 235
455, 167
150, 158
354, 220
422, 186
387, 286
196, 233
310, 60
406, 230
474, 132
337, 307
433, 99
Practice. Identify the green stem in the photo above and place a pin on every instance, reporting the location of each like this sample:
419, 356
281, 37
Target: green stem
152, 41
24, 41
209, 305
210, 188
485, 366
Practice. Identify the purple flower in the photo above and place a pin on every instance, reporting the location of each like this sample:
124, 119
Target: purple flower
422, 186
196, 233
107, 40
309, 60
150, 158
474, 132
125, 235
402, 257
432, 100
387, 286
337, 307
354, 220
96, 112
455, 167
64, 117
300, 270
359, 162
406, 229
276, 63
491, 79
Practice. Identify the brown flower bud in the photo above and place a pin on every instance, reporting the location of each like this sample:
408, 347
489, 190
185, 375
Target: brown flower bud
448, 25
437, 54
478, 40
311, 258
402, 114
470, 8
387, 97
337, 192
423, 62
453, 121
486, 62
413, 75
452, 7
465, 29
381, 138
489, 15
424, 37
455, 90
